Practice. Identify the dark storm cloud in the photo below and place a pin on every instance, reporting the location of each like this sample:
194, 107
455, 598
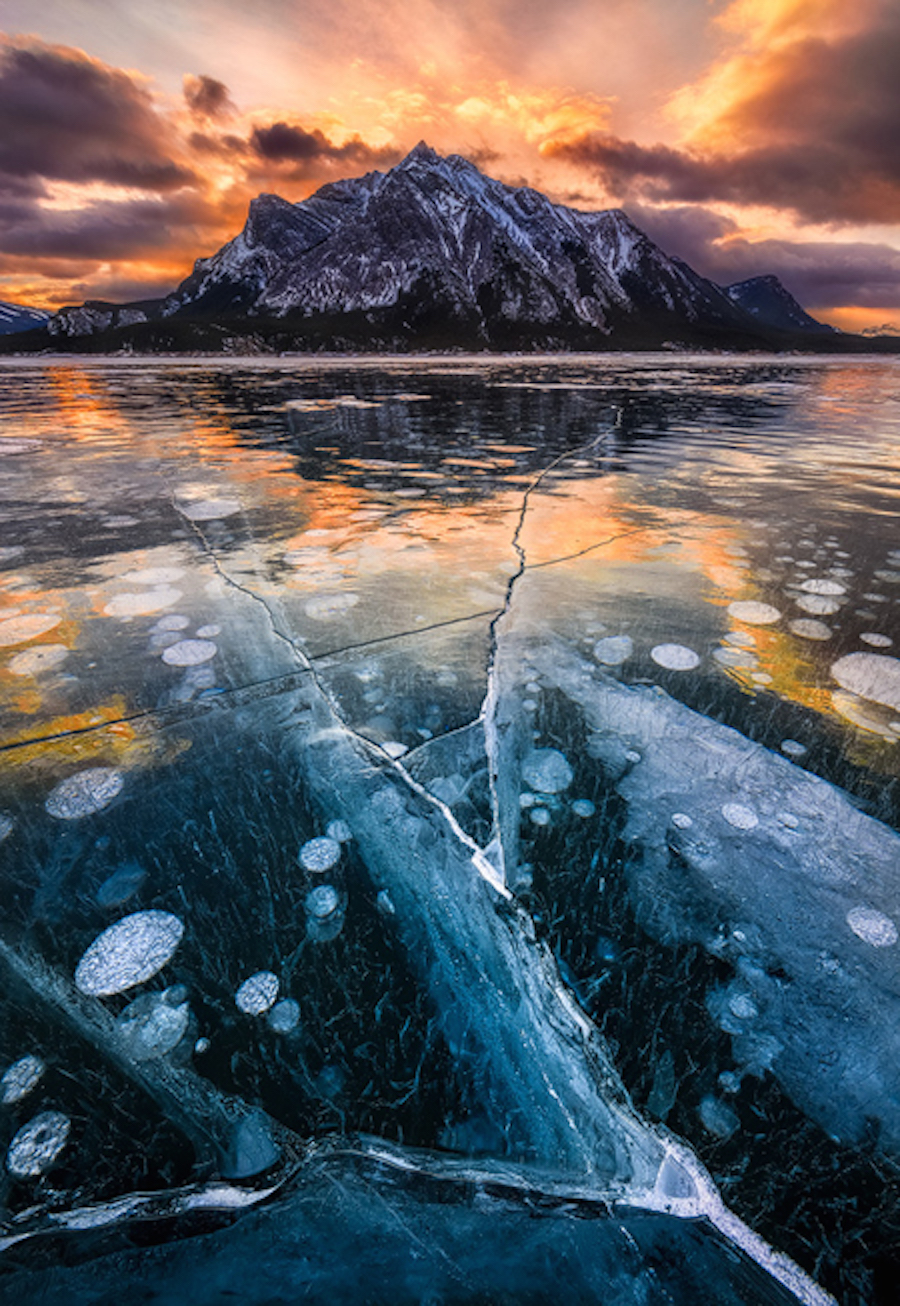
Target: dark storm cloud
828, 274
104, 231
286, 143
817, 132
66, 117
207, 98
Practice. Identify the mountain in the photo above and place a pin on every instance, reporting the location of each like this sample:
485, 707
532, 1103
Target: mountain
767, 300
16, 317
431, 255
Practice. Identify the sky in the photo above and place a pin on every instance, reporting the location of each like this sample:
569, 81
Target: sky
745, 136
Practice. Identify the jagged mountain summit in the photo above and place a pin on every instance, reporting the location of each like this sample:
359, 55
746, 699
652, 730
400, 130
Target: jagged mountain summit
767, 300
436, 254
18, 317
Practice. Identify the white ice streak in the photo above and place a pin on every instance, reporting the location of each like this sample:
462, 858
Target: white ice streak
133, 950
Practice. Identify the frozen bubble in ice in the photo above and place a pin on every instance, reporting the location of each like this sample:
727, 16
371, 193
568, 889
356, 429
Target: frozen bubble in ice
189, 652
734, 657
84, 793
870, 637
717, 1118
252, 1150
153, 576
872, 926
870, 675
210, 509
209, 632
28, 625
154, 1023
743, 1006
888, 577
257, 994
121, 885
675, 657
20, 1078
41, 657
539, 816
807, 628
547, 771
819, 604
6, 826
133, 950
284, 1016
729, 1081
613, 650
529, 705
742, 638
741, 817
37, 1145
339, 831
328, 607
527, 800
788, 820
682, 821
532, 687
583, 807
141, 605
202, 1045
753, 612
320, 854
172, 621
394, 748
814, 586
322, 901
793, 748
761, 678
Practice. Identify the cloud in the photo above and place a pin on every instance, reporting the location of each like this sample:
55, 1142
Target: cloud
67, 117
207, 98
282, 142
824, 274
808, 124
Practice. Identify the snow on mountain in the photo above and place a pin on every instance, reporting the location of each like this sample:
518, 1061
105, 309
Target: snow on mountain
17, 317
436, 252
437, 229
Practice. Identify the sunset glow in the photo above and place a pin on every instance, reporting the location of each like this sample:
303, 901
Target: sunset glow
752, 137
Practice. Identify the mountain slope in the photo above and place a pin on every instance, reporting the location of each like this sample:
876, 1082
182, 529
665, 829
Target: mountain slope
436, 233
772, 305
434, 254
17, 317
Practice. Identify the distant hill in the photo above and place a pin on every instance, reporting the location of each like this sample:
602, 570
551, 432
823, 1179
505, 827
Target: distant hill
17, 317
770, 304
434, 255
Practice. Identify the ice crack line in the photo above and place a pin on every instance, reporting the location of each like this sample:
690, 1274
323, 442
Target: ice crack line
489, 704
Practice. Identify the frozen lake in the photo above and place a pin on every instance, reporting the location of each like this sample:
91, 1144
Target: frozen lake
456, 790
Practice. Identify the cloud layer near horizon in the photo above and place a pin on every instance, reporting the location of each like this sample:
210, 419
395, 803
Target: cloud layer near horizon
781, 153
